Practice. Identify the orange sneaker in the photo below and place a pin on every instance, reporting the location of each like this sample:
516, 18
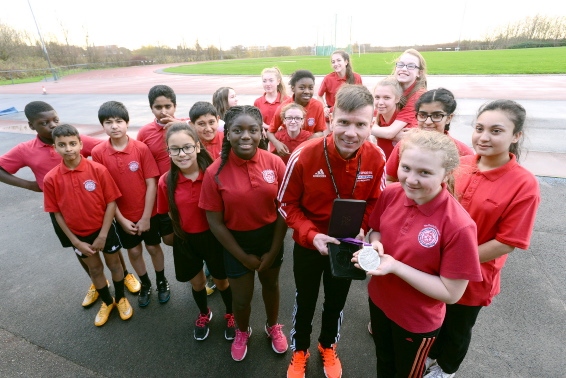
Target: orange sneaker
331, 362
298, 364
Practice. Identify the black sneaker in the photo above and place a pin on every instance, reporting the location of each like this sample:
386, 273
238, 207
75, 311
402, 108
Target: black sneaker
201, 326
163, 293
230, 331
144, 295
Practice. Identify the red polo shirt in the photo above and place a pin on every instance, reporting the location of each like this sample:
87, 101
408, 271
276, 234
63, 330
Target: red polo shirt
291, 143
267, 108
314, 120
393, 160
80, 195
438, 238
214, 147
187, 195
39, 157
330, 85
153, 134
129, 168
386, 144
245, 191
503, 202
407, 114
307, 194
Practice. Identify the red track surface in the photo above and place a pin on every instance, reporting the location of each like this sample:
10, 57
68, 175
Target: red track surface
138, 80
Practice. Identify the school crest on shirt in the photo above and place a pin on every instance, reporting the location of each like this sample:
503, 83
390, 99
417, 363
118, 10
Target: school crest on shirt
429, 235
310, 122
269, 176
134, 166
90, 185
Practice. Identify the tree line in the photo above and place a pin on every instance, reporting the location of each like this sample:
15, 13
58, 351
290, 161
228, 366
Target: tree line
20, 50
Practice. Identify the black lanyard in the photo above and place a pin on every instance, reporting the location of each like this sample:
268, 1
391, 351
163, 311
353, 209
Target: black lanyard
332, 176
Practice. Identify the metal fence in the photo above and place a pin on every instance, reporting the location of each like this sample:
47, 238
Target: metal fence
53, 74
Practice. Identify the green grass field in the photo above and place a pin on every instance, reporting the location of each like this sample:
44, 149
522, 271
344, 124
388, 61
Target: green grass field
31, 79
484, 62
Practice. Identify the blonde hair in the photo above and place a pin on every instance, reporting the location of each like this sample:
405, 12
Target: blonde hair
393, 83
292, 105
434, 141
281, 88
420, 82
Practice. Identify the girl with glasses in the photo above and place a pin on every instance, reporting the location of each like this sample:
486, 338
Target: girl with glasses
434, 111
410, 72
302, 86
178, 194
293, 116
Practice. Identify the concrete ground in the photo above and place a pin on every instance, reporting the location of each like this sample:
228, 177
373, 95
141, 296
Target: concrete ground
45, 333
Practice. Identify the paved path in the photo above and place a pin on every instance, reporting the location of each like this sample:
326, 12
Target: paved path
45, 333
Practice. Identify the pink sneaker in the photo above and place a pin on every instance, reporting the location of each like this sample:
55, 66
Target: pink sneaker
278, 339
240, 344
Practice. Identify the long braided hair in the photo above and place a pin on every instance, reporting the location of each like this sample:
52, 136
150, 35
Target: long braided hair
203, 161
233, 113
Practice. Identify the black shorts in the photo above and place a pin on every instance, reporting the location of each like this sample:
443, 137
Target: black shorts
112, 245
165, 224
149, 237
188, 256
254, 242
65, 242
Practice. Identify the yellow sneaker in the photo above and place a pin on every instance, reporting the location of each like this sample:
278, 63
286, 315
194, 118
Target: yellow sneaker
132, 283
125, 309
209, 290
91, 296
103, 314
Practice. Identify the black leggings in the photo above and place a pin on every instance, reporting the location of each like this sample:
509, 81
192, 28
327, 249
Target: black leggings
400, 353
453, 341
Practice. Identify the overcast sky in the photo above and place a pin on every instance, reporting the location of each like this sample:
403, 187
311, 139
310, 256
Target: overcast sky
293, 23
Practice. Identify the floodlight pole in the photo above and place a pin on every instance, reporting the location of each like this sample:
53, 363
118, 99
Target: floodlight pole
461, 26
43, 44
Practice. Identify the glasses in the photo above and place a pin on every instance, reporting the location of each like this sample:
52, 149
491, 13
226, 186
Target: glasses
174, 151
410, 66
434, 117
293, 119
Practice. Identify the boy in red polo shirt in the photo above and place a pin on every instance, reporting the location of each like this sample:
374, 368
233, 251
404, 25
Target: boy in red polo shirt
163, 103
341, 165
134, 170
82, 195
204, 119
38, 154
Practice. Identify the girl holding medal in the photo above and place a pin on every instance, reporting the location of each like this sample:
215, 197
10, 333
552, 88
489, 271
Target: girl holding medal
426, 243
502, 197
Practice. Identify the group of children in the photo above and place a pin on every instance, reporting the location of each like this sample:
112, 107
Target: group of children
443, 225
